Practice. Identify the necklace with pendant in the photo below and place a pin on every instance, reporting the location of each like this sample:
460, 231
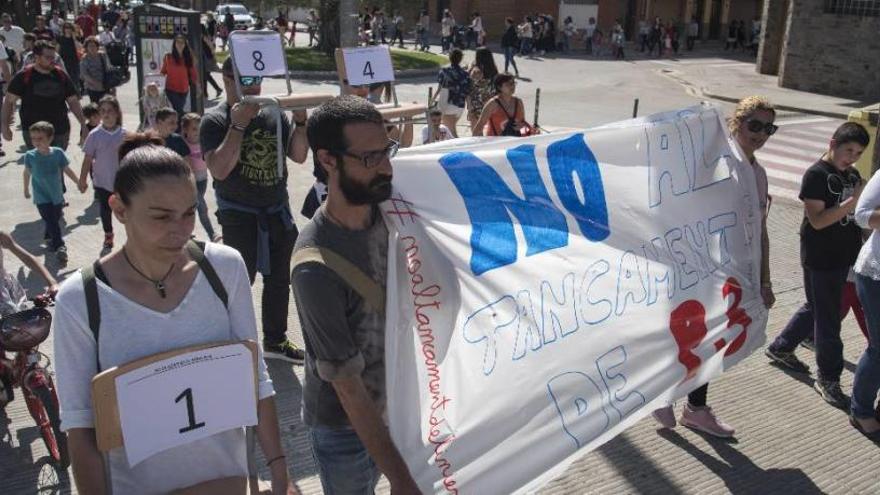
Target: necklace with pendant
159, 284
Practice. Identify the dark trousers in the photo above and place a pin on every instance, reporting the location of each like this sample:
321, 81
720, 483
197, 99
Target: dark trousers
690, 42
95, 96
177, 100
210, 79
697, 398
51, 215
509, 54
103, 198
820, 317
240, 233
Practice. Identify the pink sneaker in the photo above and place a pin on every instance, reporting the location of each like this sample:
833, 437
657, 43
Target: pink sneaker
703, 419
665, 416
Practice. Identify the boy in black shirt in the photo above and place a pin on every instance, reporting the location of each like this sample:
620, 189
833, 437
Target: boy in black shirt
830, 243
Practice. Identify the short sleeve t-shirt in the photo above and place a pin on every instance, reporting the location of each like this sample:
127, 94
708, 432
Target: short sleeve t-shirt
837, 245
457, 81
46, 175
254, 181
14, 38
43, 97
343, 335
130, 331
103, 145
443, 133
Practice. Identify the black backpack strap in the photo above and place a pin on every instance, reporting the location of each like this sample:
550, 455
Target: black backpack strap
93, 308
196, 251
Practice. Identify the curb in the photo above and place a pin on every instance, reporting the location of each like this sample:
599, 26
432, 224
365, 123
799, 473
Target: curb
332, 75
787, 108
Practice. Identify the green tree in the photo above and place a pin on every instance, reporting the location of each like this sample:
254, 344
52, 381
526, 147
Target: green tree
328, 31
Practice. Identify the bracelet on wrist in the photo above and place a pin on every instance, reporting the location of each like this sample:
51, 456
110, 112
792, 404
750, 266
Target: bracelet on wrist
300, 124
269, 463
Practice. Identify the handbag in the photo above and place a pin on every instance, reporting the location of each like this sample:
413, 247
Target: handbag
113, 76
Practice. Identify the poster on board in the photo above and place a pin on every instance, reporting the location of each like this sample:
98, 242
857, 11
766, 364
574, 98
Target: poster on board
546, 293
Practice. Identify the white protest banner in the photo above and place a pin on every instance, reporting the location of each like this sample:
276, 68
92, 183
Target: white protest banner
258, 53
185, 398
546, 293
368, 65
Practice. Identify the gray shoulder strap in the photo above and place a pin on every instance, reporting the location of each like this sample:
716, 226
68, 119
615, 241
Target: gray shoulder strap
372, 293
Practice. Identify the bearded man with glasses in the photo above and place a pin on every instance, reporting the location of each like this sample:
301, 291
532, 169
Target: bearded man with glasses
239, 142
339, 280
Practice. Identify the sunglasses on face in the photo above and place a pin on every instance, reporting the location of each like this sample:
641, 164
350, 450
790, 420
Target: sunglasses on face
247, 81
755, 125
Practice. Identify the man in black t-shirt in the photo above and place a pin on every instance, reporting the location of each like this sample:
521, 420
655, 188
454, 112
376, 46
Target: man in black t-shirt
239, 142
46, 92
830, 243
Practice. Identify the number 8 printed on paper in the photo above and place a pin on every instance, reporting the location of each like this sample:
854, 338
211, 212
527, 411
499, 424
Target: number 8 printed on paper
258, 53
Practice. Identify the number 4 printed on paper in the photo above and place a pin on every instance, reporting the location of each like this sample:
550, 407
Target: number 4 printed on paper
190, 412
368, 71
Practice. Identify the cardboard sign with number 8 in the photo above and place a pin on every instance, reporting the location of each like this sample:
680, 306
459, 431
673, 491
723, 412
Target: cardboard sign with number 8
258, 54
368, 65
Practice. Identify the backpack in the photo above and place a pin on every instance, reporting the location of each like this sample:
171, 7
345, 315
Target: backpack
509, 126
90, 274
28, 72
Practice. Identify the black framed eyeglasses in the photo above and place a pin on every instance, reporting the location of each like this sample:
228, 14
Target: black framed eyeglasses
372, 159
755, 125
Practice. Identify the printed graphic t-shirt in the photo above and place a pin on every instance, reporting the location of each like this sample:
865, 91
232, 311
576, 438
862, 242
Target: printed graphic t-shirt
837, 245
254, 181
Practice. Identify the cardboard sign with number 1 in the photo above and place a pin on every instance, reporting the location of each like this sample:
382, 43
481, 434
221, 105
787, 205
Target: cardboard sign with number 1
258, 54
368, 65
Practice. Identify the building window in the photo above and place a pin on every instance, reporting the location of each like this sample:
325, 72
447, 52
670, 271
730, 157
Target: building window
861, 8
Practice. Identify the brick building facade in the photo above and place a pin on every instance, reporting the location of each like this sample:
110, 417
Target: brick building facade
714, 15
823, 46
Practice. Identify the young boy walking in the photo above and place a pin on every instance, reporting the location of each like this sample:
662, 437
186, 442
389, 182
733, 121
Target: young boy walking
43, 166
830, 243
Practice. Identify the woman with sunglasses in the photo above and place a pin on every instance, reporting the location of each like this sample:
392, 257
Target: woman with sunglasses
750, 127
830, 244
179, 69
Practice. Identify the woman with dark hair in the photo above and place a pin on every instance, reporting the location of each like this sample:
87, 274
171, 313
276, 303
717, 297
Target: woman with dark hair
504, 114
482, 72
160, 292
454, 85
68, 49
179, 69
208, 63
93, 68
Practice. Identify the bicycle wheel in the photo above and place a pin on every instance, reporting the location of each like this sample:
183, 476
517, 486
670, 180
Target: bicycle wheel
50, 428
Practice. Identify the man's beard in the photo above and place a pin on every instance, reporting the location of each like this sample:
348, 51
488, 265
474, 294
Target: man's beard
356, 193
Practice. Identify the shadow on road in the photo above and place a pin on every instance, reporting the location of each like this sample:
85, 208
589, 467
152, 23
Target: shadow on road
20, 472
739, 473
640, 471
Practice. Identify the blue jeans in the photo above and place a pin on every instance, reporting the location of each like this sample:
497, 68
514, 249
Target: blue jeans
345, 466
867, 377
509, 53
202, 208
819, 317
177, 100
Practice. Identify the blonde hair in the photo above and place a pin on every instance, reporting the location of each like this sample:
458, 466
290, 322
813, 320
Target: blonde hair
747, 107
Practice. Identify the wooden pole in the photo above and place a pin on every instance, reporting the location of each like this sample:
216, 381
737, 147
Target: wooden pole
636, 108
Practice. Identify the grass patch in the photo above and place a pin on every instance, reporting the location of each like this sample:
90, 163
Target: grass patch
307, 59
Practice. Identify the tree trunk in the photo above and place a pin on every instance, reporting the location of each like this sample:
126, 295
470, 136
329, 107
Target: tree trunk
328, 40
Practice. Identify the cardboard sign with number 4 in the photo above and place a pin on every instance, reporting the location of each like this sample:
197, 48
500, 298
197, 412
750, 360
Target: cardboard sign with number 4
368, 65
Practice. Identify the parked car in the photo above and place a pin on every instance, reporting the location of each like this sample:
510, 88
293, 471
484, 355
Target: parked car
244, 19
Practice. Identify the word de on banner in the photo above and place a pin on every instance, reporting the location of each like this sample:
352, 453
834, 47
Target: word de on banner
177, 400
546, 293
258, 53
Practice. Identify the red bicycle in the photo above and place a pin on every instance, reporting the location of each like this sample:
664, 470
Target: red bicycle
22, 333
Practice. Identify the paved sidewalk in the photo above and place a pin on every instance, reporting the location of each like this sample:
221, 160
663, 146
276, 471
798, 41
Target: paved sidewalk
732, 82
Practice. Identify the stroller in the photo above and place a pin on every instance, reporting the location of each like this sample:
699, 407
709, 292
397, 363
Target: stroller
117, 53
461, 36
